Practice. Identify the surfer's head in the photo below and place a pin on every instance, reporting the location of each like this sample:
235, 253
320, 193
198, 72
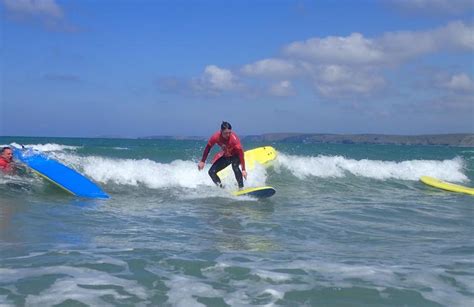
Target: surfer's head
7, 153
226, 125
226, 130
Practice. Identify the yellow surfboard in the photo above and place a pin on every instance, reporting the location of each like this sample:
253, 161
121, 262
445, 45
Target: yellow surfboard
258, 192
261, 155
446, 185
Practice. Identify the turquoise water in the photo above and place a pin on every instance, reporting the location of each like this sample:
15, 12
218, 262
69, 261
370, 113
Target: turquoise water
350, 225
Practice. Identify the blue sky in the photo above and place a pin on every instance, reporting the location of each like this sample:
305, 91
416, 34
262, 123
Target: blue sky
137, 68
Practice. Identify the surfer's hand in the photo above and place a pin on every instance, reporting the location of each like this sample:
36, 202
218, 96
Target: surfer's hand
200, 165
244, 174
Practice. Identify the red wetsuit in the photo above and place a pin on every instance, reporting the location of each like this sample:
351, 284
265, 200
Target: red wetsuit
5, 166
230, 147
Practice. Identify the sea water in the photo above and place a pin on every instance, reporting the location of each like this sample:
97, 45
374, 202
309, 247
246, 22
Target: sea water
350, 225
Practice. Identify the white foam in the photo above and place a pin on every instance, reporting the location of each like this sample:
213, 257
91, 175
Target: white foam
273, 276
244, 290
4, 301
30, 255
274, 293
152, 174
49, 147
147, 172
433, 283
183, 289
6, 178
69, 287
338, 166
427, 281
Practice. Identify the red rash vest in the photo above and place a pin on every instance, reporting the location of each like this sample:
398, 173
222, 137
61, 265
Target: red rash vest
5, 166
230, 147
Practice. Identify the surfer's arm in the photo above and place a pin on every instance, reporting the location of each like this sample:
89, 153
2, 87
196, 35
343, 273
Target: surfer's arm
241, 157
239, 149
210, 144
206, 152
204, 155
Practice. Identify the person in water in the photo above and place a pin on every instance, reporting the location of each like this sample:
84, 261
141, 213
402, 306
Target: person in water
6, 160
232, 153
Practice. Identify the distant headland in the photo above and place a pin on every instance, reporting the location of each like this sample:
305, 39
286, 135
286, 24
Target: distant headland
457, 139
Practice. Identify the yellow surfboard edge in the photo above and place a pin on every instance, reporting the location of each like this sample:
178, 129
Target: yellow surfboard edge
433, 182
52, 181
250, 190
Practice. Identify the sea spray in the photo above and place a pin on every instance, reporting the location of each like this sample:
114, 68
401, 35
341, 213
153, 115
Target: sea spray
48, 147
337, 166
152, 174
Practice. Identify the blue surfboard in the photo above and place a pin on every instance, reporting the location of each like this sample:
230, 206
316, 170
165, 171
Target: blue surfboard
59, 174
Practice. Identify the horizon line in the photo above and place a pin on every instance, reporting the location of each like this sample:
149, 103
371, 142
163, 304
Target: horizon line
242, 135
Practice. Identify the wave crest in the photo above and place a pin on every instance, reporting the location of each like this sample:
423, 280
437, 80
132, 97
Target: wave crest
48, 147
338, 166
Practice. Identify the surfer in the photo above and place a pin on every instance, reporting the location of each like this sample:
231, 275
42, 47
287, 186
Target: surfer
232, 153
6, 160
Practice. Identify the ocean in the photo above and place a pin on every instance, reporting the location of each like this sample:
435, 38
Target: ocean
349, 225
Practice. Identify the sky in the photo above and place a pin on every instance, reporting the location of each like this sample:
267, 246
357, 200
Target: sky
134, 68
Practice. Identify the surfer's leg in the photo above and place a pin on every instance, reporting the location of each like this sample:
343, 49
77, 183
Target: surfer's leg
219, 165
237, 171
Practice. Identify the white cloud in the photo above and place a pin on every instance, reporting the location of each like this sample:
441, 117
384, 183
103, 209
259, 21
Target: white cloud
46, 13
455, 36
339, 66
282, 89
460, 82
213, 81
392, 47
271, 68
354, 49
219, 78
340, 81
45, 8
